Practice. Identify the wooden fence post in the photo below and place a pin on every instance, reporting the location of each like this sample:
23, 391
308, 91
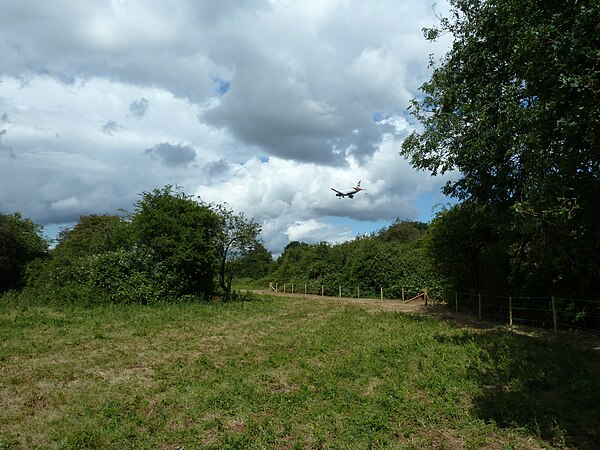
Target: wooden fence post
292, 288
554, 316
284, 287
304, 288
479, 306
456, 301
381, 293
276, 284
510, 311
322, 290
425, 296
340, 291
358, 292
402, 294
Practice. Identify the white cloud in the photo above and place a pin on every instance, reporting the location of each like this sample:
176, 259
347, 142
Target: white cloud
263, 104
312, 231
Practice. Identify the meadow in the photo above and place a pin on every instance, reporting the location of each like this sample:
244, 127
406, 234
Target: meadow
288, 373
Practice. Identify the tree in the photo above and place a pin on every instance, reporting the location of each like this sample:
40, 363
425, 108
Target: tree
21, 242
257, 263
513, 108
165, 250
92, 235
402, 231
183, 234
464, 245
236, 238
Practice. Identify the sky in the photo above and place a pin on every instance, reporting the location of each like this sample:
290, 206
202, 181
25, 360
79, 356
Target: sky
264, 105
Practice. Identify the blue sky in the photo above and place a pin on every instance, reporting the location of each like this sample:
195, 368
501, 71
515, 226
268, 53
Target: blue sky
262, 104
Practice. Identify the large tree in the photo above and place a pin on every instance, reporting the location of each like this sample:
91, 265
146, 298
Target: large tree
513, 108
257, 263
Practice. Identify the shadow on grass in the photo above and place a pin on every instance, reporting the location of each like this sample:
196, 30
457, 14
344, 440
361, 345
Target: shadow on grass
546, 384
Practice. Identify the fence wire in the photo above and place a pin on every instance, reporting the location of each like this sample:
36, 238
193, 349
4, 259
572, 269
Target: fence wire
394, 292
538, 312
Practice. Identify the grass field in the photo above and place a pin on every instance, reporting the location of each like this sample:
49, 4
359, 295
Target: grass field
287, 373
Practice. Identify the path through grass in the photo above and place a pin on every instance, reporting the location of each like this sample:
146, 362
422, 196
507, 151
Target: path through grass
285, 373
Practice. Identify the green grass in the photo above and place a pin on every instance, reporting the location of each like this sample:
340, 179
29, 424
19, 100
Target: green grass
286, 373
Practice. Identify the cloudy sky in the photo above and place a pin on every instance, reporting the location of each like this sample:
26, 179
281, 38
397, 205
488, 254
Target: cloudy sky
262, 104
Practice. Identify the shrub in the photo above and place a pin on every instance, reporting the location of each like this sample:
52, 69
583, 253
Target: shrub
21, 242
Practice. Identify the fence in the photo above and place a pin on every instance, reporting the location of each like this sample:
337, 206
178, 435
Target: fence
404, 293
540, 312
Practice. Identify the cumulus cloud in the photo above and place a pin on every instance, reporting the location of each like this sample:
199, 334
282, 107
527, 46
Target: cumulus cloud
313, 230
294, 201
262, 104
217, 170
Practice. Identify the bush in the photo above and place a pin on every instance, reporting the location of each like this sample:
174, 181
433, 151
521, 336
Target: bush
243, 296
182, 234
122, 276
132, 276
21, 242
164, 253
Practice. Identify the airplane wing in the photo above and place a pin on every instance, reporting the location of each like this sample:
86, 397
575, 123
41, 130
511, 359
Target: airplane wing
335, 190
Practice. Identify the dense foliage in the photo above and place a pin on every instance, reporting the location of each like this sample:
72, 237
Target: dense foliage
93, 235
21, 242
256, 264
181, 233
513, 108
168, 249
394, 258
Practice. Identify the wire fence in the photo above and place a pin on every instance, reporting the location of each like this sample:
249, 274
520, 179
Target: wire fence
395, 292
556, 313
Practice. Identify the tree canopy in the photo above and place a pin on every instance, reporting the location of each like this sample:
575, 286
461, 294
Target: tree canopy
166, 250
512, 107
21, 242
394, 258
92, 235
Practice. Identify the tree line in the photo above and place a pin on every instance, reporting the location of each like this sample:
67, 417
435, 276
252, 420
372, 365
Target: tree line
393, 258
172, 247
513, 110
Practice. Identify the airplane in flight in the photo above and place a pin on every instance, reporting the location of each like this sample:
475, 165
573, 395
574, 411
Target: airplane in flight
349, 194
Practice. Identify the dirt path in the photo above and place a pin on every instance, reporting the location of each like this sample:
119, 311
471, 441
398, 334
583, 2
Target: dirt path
415, 306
